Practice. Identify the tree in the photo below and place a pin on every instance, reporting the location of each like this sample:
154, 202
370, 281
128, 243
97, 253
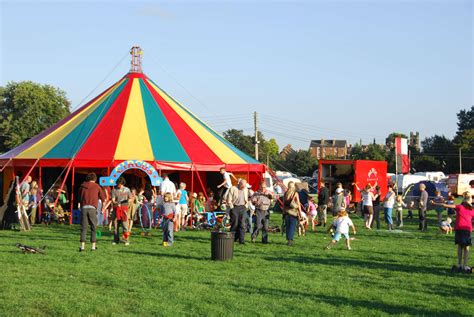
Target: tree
390, 140
301, 163
240, 140
444, 150
371, 152
465, 121
26, 109
464, 138
425, 163
269, 149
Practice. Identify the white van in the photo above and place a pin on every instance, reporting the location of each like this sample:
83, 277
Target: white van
433, 176
403, 181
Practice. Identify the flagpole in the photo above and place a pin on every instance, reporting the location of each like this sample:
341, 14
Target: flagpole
396, 166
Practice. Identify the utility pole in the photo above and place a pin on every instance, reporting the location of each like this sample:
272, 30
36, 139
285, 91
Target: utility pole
255, 120
460, 161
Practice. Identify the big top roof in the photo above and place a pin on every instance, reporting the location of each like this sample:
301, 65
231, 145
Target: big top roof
134, 119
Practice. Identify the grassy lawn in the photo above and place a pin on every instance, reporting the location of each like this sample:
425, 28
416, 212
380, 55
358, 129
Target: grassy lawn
405, 273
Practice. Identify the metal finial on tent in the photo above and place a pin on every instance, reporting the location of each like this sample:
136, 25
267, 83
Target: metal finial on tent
136, 63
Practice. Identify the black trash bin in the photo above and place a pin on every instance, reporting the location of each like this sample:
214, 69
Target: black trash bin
222, 246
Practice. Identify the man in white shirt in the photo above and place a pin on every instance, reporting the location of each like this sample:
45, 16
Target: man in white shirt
167, 186
223, 188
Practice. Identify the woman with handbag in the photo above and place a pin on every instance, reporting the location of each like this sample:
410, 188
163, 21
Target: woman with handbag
291, 211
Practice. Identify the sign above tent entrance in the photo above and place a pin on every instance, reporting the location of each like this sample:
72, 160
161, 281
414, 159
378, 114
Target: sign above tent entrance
131, 164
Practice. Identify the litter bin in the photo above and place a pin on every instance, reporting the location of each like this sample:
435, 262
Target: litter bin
222, 245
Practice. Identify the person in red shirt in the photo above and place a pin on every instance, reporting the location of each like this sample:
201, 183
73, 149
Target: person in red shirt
463, 228
89, 195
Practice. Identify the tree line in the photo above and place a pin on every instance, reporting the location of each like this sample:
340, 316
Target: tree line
27, 108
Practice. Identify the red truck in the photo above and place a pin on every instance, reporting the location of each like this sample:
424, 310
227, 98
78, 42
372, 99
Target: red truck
362, 172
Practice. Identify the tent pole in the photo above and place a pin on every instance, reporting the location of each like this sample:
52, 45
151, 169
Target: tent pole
62, 186
10, 160
40, 180
72, 196
29, 172
202, 185
192, 191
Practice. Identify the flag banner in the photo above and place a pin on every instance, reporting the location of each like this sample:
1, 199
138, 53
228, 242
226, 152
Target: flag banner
401, 150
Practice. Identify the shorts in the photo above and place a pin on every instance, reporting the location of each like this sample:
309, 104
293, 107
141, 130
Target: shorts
369, 210
183, 209
337, 236
462, 238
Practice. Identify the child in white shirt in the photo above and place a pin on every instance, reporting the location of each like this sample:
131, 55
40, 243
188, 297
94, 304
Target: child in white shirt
445, 226
341, 225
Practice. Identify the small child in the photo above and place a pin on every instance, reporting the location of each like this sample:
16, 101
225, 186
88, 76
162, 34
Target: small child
168, 211
450, 201
445, 226
312, 211
302, 223
399, 204
438, 208
341, 225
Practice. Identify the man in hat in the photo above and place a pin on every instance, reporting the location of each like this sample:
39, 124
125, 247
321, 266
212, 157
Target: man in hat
262, 200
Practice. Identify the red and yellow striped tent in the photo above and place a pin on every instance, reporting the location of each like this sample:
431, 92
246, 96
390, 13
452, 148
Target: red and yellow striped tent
134, 119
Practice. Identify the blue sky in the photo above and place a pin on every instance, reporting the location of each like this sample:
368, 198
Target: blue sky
321, 69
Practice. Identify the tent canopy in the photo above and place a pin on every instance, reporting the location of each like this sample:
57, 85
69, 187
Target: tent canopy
134, 119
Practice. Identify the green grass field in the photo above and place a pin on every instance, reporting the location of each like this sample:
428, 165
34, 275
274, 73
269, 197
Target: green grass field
405, 273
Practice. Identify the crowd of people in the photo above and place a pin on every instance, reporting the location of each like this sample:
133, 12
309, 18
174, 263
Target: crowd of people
173, 208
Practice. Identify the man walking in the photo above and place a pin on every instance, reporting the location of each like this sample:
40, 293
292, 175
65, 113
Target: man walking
237, 200
262, 200
323, 200
120, 198
89, 195
422, 206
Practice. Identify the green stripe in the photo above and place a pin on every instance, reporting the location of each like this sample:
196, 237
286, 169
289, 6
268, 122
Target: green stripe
164, 143
72, 143
242, 155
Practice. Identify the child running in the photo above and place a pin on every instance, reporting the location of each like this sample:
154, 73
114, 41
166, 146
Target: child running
341, 225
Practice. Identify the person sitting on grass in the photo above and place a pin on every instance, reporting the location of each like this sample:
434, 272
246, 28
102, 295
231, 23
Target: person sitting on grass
168, 209
463, 231
341, 226
445, 226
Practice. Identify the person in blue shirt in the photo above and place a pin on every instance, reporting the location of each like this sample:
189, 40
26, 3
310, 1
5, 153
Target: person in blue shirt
182, 210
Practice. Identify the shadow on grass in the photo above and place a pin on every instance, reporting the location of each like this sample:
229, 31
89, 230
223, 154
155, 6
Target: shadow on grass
174, 256
376, 265
343, 301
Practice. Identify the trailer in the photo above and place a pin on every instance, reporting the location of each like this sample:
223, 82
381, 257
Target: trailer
347, 172
460, 183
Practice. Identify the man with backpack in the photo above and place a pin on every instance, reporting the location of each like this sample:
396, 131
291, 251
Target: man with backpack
262, 200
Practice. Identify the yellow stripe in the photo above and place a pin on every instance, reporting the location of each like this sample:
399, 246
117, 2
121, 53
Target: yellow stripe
43, 146
134, 141
226, 154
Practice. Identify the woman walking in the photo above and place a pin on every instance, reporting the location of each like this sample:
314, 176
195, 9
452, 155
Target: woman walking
367, 203
388, 203
292, 210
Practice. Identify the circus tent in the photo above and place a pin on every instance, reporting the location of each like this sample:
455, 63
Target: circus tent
134, 119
